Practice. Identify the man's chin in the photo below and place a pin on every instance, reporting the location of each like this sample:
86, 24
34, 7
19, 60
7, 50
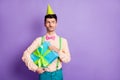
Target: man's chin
51, 30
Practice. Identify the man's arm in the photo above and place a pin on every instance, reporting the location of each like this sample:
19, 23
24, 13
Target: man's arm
27, 59
64, 53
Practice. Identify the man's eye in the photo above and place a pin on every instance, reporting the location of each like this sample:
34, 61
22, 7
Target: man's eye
53, 22
48, 22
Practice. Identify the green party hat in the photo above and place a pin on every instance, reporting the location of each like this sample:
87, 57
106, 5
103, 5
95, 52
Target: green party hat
49, 10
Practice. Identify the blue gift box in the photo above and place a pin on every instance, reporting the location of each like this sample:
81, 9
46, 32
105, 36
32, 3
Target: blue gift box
43, 56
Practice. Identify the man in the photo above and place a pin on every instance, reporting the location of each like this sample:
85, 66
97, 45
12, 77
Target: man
54, 70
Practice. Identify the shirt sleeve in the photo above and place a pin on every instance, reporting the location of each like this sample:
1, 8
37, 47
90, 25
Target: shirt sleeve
26, 55
64, 53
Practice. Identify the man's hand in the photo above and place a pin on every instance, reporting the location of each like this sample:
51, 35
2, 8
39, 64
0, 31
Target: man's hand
54, 48
40, 70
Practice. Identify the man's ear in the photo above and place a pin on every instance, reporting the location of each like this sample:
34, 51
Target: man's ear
56, 24
44, 24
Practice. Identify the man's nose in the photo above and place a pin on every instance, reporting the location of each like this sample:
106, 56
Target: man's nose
50, 24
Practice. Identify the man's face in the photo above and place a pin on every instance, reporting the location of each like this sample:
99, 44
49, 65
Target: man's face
50, 24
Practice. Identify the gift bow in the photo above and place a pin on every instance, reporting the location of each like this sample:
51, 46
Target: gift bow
41, 62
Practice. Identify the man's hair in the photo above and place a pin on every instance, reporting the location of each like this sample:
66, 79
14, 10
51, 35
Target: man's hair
51, 16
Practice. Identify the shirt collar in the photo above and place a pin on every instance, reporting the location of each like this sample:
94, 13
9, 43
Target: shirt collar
51, 35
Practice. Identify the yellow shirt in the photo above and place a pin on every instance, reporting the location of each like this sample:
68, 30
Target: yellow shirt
64, 53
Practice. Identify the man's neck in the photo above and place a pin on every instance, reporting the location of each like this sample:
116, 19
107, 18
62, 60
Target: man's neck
51, 33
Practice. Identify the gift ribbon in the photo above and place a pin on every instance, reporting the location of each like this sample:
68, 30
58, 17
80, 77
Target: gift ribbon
41, 62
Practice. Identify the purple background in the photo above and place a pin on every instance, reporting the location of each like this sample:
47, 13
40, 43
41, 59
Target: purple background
92, 28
